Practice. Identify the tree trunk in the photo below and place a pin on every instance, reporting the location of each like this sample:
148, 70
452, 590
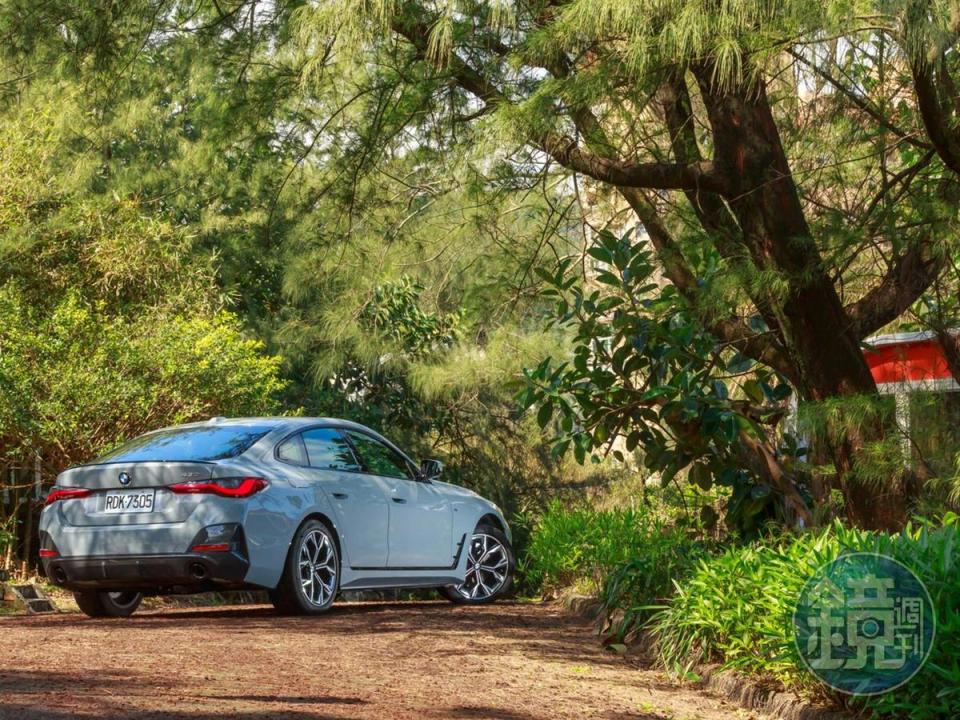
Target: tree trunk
950, 342
812, 321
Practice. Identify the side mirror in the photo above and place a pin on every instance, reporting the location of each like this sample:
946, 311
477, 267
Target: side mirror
430, 469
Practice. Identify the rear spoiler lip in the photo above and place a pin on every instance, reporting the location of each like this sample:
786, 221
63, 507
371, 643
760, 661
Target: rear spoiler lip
142, 462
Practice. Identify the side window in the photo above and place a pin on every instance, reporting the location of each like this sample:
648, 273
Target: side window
291, 450
328, 450
378, 459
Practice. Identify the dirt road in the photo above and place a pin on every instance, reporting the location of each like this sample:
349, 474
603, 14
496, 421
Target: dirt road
416, 660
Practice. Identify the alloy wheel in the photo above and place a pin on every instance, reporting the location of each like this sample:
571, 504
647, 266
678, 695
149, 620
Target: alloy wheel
318, 568
488, 566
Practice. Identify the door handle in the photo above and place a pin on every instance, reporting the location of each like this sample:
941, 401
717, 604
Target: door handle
400, 501
340, 495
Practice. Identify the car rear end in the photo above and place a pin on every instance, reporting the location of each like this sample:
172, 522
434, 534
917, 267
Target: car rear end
163, 514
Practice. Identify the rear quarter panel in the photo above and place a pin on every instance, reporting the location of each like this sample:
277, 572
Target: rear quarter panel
273, 516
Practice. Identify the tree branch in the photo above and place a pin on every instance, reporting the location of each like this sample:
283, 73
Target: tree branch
939, 119
628, 177
565, 149
691, 177
907, 278
762, 347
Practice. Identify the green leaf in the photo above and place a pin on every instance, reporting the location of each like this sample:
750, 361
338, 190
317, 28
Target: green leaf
545, 413
752, 390
560, 448
608, 278
600, 253
701, 476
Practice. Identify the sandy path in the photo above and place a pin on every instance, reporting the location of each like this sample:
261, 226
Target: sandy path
371, 660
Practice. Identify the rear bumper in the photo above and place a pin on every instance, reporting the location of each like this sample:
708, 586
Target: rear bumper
183, 573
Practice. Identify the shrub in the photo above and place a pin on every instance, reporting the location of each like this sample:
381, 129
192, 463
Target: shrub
634, 590
736, 608
935, 691
75, 380
629, 556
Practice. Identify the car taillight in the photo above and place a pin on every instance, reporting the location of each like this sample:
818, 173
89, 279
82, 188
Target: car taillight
66, 494
224, 487
48, 553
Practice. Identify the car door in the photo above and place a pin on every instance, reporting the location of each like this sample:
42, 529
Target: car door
421, 522
359, 501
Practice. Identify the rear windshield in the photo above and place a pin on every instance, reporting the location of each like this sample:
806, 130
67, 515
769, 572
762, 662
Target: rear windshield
193, 443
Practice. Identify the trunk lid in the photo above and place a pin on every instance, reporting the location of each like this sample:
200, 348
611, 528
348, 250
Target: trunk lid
113, 483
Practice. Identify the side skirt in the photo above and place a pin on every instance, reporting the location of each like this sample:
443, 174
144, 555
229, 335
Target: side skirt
372, 583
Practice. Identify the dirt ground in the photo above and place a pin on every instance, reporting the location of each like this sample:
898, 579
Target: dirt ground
369, 660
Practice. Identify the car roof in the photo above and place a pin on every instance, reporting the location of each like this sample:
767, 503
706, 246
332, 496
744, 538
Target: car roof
272, 422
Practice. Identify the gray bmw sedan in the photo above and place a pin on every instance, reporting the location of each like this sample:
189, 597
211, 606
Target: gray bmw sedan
303, 507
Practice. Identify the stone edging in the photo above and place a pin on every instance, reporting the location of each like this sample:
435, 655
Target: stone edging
752, 695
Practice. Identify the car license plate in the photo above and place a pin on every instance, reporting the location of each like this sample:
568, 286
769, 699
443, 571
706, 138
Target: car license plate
128, 501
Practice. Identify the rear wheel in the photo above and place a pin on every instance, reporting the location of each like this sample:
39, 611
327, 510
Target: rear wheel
311, 577
490, 566
98, 603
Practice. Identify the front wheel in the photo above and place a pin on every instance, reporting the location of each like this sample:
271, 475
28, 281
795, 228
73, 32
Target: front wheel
490, 566
98, 604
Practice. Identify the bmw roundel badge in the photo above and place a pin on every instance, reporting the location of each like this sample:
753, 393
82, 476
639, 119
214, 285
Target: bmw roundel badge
124, 478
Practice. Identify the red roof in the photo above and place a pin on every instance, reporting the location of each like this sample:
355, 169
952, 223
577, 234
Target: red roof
906, 357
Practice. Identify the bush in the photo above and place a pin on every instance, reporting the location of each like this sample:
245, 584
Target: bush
736, 608
627, 556
633, 591
75, 380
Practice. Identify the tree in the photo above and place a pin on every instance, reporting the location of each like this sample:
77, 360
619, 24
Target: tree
251, 177
793, 166
111, 322
696, 115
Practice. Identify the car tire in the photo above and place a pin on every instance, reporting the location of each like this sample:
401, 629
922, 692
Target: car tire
470, 592
101, 604
314, 553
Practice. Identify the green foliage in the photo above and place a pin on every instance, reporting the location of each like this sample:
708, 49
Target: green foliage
930, 551
369, 364
111, 321
8, 534
76, 380
633, 554
736, 607
220, 166
393, 310
633, 591
644, 372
